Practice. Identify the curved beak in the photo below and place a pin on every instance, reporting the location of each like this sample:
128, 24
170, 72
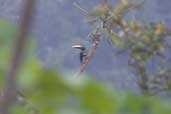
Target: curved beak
78, 47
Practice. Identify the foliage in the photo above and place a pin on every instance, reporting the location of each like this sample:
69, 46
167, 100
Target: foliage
143, 42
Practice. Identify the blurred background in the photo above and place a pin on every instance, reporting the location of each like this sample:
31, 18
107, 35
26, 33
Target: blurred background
58, 25
45, 84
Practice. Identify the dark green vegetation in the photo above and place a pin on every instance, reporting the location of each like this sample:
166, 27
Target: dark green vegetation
46, 91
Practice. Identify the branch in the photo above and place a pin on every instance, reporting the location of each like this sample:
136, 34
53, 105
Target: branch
90, 55
9, 92
96, 39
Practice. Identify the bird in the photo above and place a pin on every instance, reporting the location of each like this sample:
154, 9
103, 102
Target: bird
83, 53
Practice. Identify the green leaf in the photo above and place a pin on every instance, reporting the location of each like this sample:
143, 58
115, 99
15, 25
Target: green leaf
115, 40
96, 98
17, 109
7, 32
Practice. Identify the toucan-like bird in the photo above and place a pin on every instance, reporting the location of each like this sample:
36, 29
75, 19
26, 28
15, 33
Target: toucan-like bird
83, 53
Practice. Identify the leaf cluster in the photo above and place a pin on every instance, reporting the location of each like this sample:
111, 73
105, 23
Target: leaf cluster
143, 42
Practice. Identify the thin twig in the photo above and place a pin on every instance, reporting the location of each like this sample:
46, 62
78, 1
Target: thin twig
17, 55
79, 7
